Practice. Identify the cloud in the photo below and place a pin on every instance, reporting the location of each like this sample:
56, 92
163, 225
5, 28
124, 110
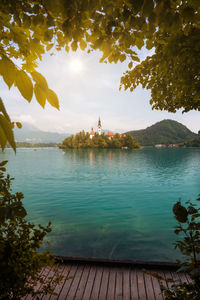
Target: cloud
24, 118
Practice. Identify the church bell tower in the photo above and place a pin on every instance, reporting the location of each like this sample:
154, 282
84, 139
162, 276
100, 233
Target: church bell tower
99, 127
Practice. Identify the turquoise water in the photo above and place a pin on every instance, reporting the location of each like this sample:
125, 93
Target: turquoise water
107, 203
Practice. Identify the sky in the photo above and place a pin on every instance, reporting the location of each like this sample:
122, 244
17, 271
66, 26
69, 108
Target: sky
88, 90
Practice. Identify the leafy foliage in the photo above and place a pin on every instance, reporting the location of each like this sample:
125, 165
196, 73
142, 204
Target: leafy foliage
20, 261
188, 218
25, 35
192, 143
118, 28
6, 133
163, 132
83, 140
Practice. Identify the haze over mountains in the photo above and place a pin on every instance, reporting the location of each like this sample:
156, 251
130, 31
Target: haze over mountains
163, 132
31, 134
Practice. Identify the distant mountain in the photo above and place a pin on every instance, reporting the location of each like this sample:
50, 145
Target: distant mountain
30, 134
163, 132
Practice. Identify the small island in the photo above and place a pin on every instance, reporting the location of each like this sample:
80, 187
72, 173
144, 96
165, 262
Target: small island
100, 140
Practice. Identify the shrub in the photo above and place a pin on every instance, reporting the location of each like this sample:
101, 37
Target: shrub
20, 240
188, 227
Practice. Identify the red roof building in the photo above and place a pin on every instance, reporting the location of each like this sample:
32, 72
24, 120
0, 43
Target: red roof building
110, 135
92, 132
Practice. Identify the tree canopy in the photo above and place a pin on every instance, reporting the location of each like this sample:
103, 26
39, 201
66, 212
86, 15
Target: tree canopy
83, 140
119, 29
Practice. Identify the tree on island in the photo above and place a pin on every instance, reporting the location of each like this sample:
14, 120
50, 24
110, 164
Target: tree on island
83, 140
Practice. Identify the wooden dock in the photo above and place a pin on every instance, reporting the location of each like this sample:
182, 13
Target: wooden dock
86, 279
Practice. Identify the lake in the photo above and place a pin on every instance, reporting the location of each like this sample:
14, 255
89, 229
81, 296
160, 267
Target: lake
107, 203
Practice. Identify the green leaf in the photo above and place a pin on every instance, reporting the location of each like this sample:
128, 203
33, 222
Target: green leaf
3, 139
3, 110
74, 46
6, 128
67, 48
19, 125
19, 211
52, 98
149, 44
40, 95
130, 65
83, 44
40, 80
8, 71
139, 42
49, 47
135, 58
122, 57
3, 163
24, 85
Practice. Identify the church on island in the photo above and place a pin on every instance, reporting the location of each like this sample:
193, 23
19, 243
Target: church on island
99, 131
99, 139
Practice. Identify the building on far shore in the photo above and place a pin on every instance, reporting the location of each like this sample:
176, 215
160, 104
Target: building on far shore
173, 145
110, 134
99, 129
160, 146
92, 133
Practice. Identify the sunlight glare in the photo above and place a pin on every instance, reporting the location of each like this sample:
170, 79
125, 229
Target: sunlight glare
76, 66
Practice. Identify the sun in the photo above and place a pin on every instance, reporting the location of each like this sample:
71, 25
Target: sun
76, 65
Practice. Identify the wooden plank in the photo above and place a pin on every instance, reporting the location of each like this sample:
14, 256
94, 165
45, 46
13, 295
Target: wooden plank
189, 279
90, 283
58, 288
82, 283
118, 287
97, 284
182, 277
149, 286
67, 283
162, 282
104, 284
134, 284
168, 276
126, 284
176, 277
49, 279
156, 286
38, 284
33, 283
75, 282
141, 285
111, 284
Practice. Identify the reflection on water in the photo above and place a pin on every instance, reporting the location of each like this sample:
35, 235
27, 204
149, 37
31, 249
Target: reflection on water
107, 203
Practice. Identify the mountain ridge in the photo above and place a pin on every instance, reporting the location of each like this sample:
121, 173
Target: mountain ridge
31, 134
166, 131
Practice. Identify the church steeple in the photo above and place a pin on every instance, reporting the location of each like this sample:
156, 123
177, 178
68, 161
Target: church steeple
99, 126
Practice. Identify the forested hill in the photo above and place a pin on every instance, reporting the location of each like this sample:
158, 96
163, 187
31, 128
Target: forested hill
163, 132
